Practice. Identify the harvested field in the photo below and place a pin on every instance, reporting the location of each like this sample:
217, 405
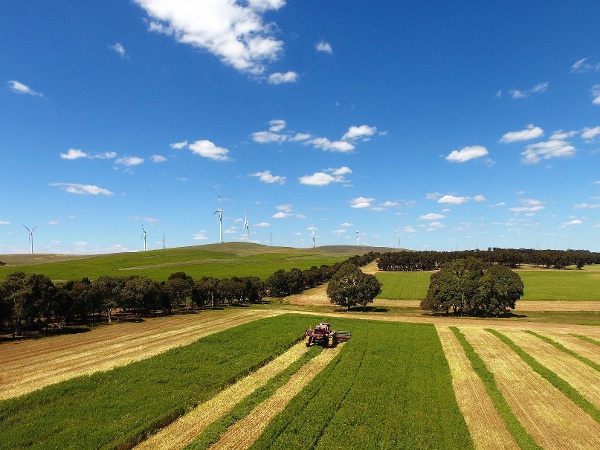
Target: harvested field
582, 377
246, 431
551, 418
183, 431
31, 365
487, 428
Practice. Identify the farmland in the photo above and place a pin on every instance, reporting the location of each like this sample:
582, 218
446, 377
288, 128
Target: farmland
238, 377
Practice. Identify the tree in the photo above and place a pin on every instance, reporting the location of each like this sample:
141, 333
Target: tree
141, 293
107, 291
205, 292
179, 286
468, 286
350, 286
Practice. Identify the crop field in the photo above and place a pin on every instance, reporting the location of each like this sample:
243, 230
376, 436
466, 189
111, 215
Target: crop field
252, 385
218, 260
540, 284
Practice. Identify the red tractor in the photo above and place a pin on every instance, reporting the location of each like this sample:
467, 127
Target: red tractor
323, 335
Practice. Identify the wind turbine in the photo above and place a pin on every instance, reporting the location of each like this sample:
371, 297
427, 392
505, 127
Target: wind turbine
31, 236
247, 228
144, 233
312, 236
220, 212
357, 238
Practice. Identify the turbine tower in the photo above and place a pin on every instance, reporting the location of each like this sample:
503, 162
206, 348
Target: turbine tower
220, 212
357, 238
247, 228
144, 233
31, 236
312, 236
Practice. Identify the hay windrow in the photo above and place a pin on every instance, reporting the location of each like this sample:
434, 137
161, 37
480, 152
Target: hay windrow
487, 428
32, 365
551, 418
244, 432
184, 430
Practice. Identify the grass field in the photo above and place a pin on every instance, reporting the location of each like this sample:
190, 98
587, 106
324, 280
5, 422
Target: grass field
218, 260
540, 284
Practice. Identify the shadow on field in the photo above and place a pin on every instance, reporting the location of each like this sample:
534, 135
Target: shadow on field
367, 309
503, 316
29, 334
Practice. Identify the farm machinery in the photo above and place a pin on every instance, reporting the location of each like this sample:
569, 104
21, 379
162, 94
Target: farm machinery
323, 335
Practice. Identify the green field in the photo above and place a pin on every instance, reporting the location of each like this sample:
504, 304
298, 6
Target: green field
218, 260
389, 387
540, 284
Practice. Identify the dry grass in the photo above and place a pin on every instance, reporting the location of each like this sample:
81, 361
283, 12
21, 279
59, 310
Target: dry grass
582, 377
487, 428
244, 432
31, 365
184, 430
552, 419
586, 349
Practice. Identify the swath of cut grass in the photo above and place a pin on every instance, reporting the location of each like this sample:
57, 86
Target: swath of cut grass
564, 349
551, 377
520, 434
390, 388
586, 338
552, 419
118, 407
488, 429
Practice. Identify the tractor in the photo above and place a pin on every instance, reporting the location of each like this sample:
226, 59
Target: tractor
323, 335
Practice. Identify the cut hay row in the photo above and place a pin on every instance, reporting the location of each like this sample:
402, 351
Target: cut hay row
244, 432
591, 362
552, 419
487, 428
184, 430
575, 344
25, 375
582, 377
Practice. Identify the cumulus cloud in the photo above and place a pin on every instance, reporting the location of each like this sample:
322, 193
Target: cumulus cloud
361, 202
537, 89
235, 32
587, 206
20, 88
209, 150
82, 189
130, 161
528, 205
432, 216
553, 148
454, 200
179, 145
277, 125
324, 47
280, 78
326, 177
361, 132
285, 211
75, 153
267, 177
531, 132
265, 137
570, 223
158, 158
589, 134
200, 236
467, 153
118, 48
336, 146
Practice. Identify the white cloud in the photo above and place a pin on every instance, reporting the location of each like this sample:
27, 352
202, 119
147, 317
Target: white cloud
572, 222
200, 236
106, 155
346, 224
540, 87
234, 32
532, 132
179, 145
432, 216
589, 134
158, 158
324, 47
300, 137
280, 78
285, 210
20, 88
280, 215
562, 135
433, 226
537, 89
596, 94
267, 177
452, 200
587, 206
74, 153
584, 66
207, 149
467, 153
326, 177
263, 224
277, 125
515, 93
118, 47
83, 189
336, 146
361, 132
130, 161
528, 205
4, 222
361, 202
265, 137
145, 219
534, 153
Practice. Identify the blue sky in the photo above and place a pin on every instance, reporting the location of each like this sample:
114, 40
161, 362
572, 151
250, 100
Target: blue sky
425, 125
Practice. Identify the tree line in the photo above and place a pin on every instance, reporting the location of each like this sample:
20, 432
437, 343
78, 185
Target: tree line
33, 302
408, 261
